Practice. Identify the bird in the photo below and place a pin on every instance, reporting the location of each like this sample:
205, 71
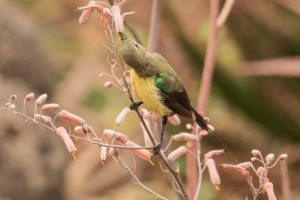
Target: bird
157, 85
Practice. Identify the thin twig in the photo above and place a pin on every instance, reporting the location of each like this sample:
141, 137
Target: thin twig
224, 13
200, 172
125, 166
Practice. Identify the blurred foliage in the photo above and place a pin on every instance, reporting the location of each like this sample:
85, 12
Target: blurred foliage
94, 99
241, 93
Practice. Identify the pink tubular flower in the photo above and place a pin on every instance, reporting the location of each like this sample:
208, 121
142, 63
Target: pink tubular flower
88, 10
147, 140
213, 173
174, 155
185, 136
46, 119
203, 133
142, 153
50, 106
174, 120
109, 132
29, 97
239, 168
103, 154
154, 117
146, 113
270, 191
71, 117
210, 154
62, 132
122, 116
261, 171
121, 137
41, 100
108, 84
118, 136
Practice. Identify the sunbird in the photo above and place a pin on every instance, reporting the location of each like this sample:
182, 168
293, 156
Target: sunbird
157, 85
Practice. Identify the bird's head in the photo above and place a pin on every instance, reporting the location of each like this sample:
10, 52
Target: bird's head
132, 52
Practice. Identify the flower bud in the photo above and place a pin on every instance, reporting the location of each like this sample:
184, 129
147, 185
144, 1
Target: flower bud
50, 106
41, 99
29, 97
46, 119
189, 126
101, 75
12, 97
79, 129
154, 117
203, 133
103, 154
146, 113
71, 117
147, 139
213, 173
174, 119
108, 84
62, 132
109, 132
268, 186
142, 153
121, 137
185, 136
283, 156
122, 115
246, 165
261, 171
255, 152
174, 155
210, 154
269, 158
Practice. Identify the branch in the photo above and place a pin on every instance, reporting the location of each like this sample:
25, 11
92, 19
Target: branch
215, 25
154, 24
285, 184
125, 166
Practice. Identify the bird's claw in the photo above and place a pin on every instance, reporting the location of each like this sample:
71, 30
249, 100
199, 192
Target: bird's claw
135, 105
156, 149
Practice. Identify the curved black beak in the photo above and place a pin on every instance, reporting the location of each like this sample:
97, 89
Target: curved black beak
122, 36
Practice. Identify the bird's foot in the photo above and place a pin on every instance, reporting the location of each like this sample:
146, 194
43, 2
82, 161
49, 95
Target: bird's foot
135, 105
156, 149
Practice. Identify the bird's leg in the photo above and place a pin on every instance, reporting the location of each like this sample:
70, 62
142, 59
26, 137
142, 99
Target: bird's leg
157, 148
135, 105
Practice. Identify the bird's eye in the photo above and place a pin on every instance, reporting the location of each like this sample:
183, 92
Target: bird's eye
136, 45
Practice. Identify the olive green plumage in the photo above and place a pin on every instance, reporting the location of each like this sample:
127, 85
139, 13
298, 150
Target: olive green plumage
156, 83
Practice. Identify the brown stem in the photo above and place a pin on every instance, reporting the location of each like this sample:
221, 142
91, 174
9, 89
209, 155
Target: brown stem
285, 182
205, 86
154, 24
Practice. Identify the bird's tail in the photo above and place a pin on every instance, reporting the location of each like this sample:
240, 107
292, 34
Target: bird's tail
200, 121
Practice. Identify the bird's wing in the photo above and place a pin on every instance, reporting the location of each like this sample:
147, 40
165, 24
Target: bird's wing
173, 93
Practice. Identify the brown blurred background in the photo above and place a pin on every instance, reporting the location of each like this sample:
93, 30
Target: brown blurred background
255, 100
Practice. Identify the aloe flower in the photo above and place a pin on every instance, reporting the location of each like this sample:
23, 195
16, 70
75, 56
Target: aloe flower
62, 132
114, 11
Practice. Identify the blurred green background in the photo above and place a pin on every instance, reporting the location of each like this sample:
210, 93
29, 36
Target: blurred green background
254, 103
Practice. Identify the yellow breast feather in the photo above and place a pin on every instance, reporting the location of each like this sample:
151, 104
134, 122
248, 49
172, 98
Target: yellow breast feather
146, 90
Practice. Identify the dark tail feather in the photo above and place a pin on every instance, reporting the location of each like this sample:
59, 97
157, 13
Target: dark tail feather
200, 121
